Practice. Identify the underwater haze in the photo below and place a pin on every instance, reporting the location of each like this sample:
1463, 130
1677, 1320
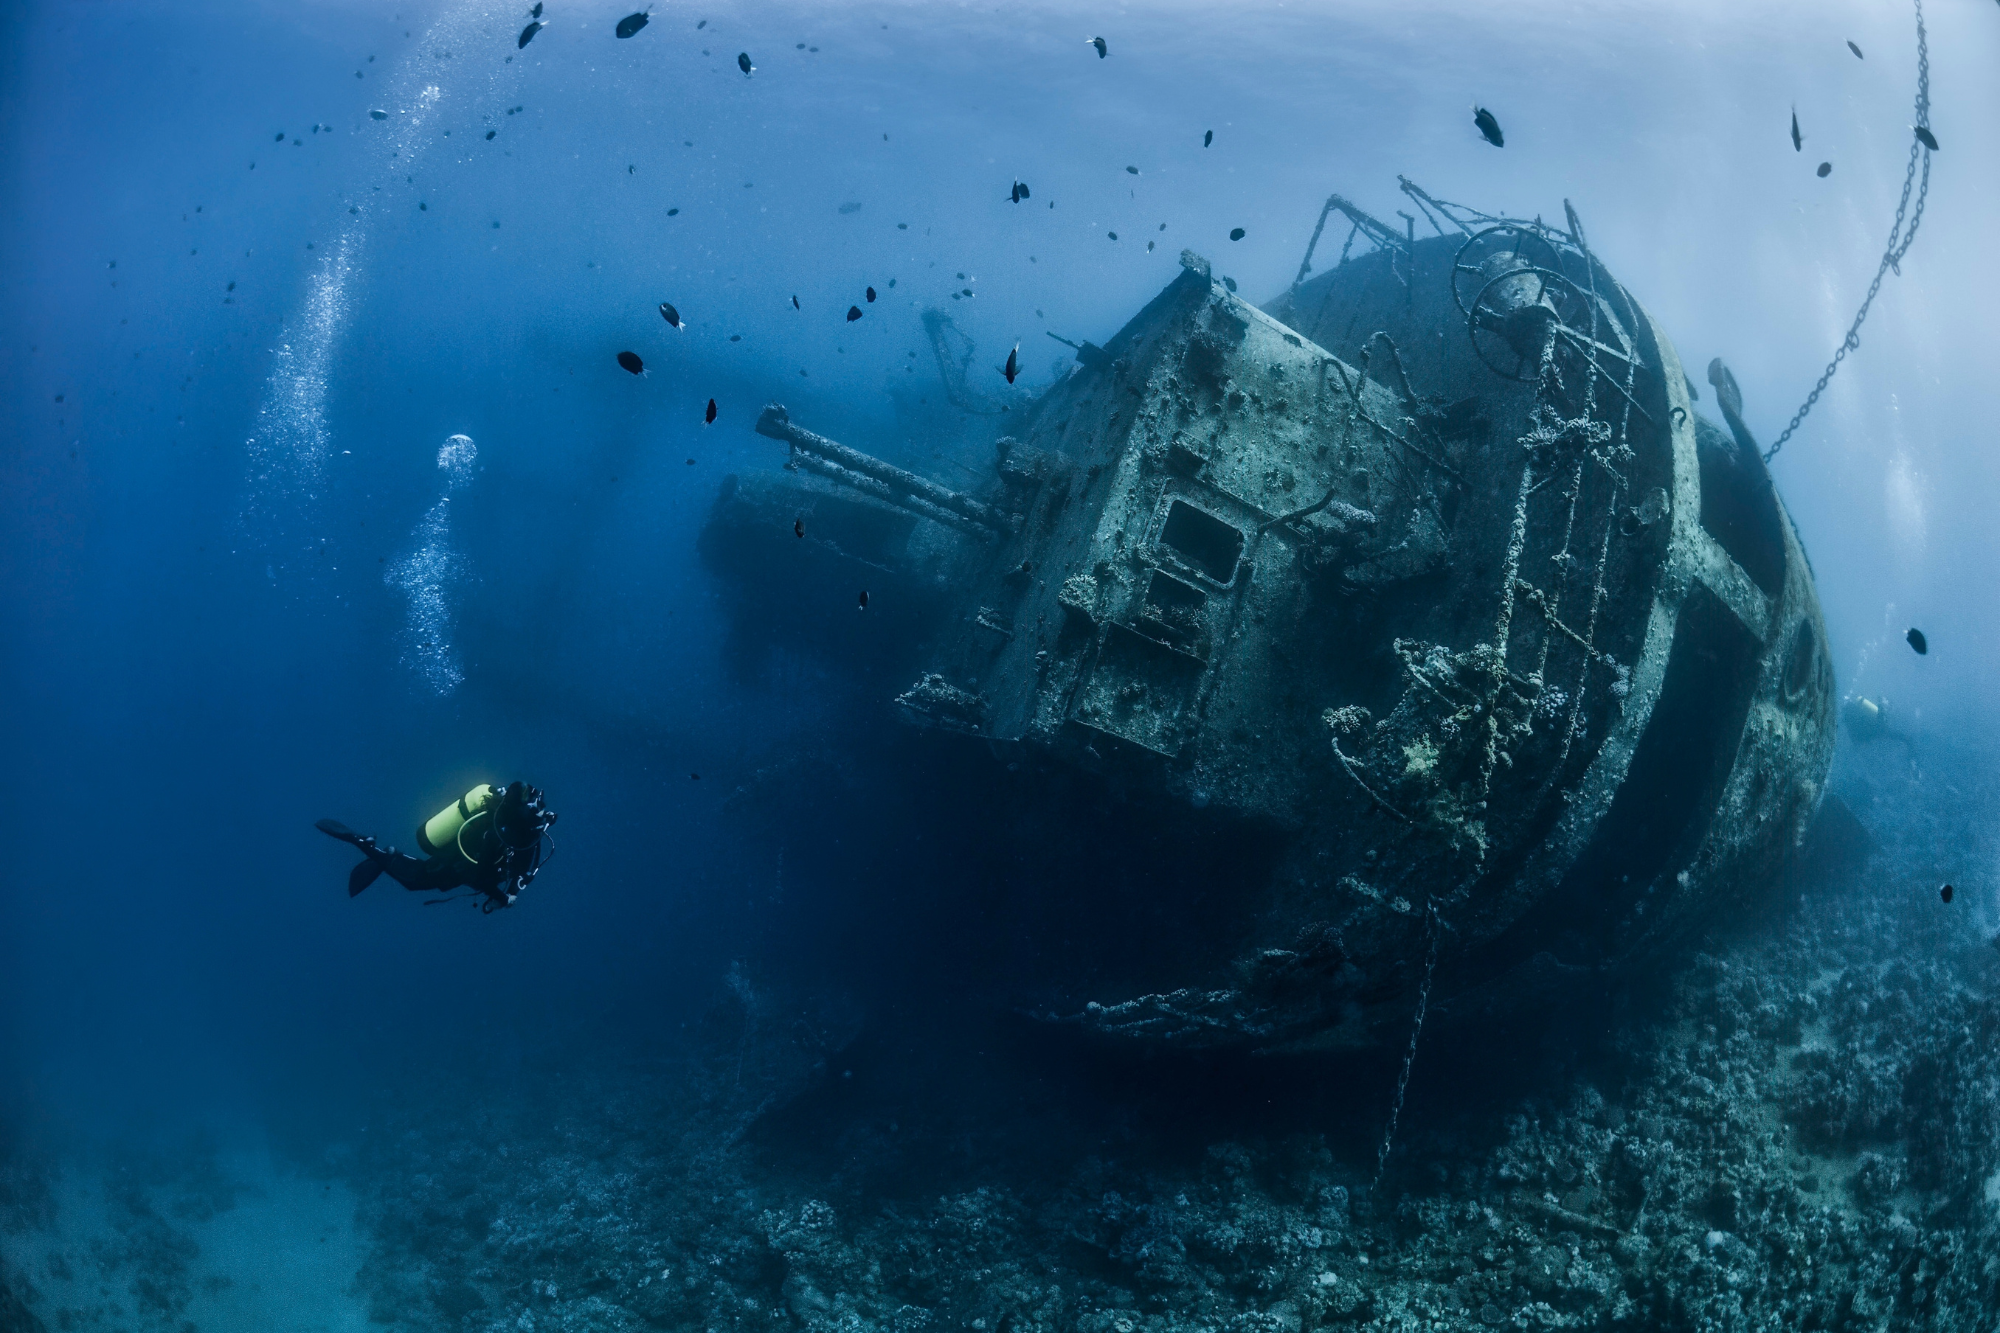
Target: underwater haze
324, 494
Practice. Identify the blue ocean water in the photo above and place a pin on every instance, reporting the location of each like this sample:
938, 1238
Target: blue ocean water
269, 263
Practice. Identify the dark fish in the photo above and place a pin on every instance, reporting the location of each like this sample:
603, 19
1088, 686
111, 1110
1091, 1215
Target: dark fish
280, 138
1013, 366
871, 296
853, 313
1208, 138
1916, 640
631, 23
378, 115
864, 599
1945, 892
1488, 126
798, 527
528, 34
796, 305
694, 777
1798, 140
491, 133
699, 26
743, 63
536, 12
1131, 171
631, 362
1825, 170
1113, 235
1926, 138
1858, 56
672, 316
708, 418
1102, 49
1236, 233
1020, 192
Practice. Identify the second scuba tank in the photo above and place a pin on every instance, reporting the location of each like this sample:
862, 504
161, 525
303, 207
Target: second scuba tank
445, 833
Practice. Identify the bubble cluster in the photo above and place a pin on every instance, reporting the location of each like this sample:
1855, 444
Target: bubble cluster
455, 459
426, 577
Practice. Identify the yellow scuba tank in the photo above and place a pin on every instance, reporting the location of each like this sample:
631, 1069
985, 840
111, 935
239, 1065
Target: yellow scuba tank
463, 828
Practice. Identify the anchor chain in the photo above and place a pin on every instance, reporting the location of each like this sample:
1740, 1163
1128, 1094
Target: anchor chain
1410, 1055
1899, 240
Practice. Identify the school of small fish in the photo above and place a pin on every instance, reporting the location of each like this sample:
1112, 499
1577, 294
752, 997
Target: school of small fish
1484, 121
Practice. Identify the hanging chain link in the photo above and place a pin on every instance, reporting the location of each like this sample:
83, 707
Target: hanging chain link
1432, 929
1899, 240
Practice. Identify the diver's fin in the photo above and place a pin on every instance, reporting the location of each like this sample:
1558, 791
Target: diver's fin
362, 876
333, 828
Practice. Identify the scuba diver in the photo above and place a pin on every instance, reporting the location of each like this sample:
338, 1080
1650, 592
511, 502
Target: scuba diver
1869, 720
487, 840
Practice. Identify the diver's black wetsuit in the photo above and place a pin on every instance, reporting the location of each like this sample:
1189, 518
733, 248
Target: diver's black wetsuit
511, 863
435, 874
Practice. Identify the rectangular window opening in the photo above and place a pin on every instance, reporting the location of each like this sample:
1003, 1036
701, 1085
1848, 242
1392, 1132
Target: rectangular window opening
1209, 545
1169, 594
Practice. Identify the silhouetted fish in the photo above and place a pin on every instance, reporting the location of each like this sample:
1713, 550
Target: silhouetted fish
631, 23
528, 34
1798, 140
1236, 233
631, 362
1488, 126
708, 418
1925, 137
1208, 138
743, 63
796, 305
1013, 366
1131, 171
1102, 49
798, 527
1020, 192
1915, 638
378, 115
672, 316
1858, 56
871, 296
1945, 892
1825, 170
864, 600
853, 313
536, 12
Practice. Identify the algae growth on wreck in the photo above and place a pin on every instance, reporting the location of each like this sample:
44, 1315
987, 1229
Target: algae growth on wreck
1354, 766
